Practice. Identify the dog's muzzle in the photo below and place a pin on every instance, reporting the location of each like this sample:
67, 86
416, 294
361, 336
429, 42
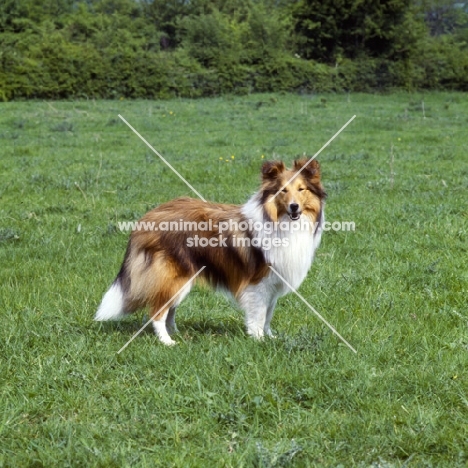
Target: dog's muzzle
294, 212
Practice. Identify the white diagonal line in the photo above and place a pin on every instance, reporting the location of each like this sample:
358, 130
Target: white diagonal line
162, 308
314, 156
313, 310
160, 156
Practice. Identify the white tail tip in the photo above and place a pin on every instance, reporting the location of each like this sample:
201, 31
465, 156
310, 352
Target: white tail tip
112, 305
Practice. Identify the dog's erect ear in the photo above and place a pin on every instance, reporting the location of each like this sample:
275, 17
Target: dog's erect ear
271, 169
311, 173
311, 170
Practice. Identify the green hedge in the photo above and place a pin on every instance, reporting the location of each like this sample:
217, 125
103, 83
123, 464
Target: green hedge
102, 57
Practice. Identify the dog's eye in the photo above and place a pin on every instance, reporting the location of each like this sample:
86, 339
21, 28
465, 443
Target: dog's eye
301, 189
284, 190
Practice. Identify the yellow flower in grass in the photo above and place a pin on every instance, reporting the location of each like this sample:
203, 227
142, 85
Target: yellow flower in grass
232, 157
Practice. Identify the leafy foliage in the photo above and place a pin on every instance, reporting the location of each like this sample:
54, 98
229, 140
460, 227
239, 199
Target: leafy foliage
212, 39
445, 17
350, 28
64, 49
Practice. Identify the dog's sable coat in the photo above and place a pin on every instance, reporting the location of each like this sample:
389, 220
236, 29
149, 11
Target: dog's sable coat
159, 263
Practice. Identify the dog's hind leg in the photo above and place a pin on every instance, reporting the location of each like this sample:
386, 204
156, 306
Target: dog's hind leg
170, 320
171, 315
159, 325
164, 304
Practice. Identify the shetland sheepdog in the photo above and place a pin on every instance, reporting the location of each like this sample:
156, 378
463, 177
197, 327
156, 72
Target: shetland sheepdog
280, 226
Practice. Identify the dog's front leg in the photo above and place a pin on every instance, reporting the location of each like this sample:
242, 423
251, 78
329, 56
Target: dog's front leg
255, 305
269, 316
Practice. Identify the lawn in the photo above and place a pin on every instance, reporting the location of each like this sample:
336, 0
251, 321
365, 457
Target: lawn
396, 288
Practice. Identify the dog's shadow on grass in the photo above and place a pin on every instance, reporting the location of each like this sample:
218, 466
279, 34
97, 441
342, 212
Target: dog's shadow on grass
186, 328
195, 327
194, 330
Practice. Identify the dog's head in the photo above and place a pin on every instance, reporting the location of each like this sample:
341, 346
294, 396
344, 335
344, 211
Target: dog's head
292, 192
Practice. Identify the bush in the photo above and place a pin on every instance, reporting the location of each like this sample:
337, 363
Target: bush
326, 31
112, 49
441, 63
212, 39
265, 34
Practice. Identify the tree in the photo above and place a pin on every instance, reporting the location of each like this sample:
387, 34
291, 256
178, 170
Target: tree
327, 30
445, 16
13, 13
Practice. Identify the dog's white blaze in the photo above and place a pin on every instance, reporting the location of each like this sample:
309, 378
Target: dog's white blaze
112, 305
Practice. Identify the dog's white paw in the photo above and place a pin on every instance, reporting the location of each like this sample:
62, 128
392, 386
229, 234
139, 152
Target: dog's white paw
168, 342
161, 332
256, 333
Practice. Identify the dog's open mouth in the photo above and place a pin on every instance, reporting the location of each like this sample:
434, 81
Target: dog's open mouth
295, 216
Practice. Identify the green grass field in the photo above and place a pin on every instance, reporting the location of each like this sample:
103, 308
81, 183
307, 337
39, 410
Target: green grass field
396, 288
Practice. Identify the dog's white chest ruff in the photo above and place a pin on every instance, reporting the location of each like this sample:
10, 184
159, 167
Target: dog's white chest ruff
292, 253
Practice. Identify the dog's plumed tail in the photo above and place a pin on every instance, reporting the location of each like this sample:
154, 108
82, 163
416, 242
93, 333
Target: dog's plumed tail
112, 305
115, 304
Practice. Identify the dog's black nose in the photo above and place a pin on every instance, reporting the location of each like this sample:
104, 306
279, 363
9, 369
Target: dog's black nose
294, 207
